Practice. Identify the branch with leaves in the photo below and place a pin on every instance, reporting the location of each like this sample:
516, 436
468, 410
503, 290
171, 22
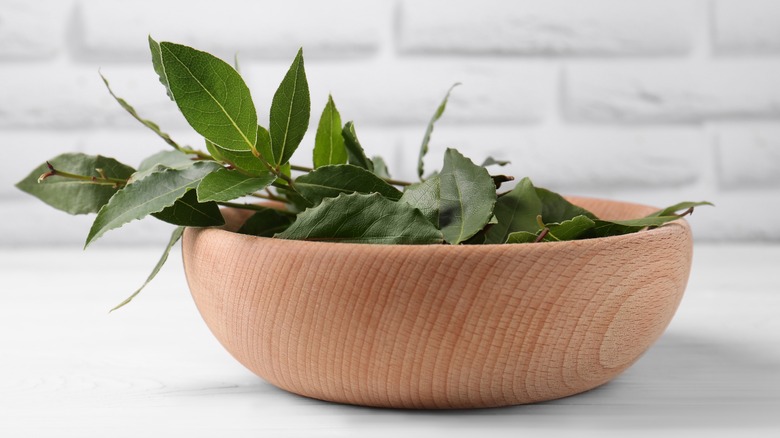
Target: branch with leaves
344, 197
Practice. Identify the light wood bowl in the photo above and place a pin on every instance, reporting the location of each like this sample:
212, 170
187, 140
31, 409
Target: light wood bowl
439, 326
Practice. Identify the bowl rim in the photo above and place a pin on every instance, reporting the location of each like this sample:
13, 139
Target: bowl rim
677, 228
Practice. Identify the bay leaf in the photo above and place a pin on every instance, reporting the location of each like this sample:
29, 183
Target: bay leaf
555, 208
516, 211
75, 196
146, 196
226, 185
329, 181
355, 153
266, 223
212, 96
290, 109
426, 197
429, 130
175, 236
468, 196
329, 145
187, 211
361, 218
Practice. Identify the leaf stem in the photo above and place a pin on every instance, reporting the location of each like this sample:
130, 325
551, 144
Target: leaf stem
542, 235
101, 180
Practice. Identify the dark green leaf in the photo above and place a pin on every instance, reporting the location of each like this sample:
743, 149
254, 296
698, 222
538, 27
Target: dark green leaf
557, 209
615, 228
670, 211
245, 161
426, 197
157, 64
149, 195
571, 229
174, 238
427, 137
263, 144
212, 97
516, 211
266, 223
356, 154
296, 202
290, 110
380, 167
226, 185
521, 237
468, 196
75, 196
188, 212
330, 181
161, 160
329, 143
359, 218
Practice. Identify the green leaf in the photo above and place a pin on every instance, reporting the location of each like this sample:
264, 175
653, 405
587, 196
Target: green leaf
356, 154
380, 167
516, 211
490, 161
245, 161
330, 181
360, 218
172, 159
670, 211
226, 185
263, 145
148, 123
329, 143
175, 236
188, 212
161, 160
426, 197
557, 209
75, 196
427, 137
615, 228
149, 195
212, 97
157, 64
571, 229
468, 196
290, 110
266, 223
521, 237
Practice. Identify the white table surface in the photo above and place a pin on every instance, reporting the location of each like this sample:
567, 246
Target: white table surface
69, 369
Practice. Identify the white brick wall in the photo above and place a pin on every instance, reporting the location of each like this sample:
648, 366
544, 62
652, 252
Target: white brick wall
649, 100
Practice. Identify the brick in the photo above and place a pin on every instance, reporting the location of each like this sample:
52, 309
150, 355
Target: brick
661, 93
576, 160
747, 26
117, 30
748, 156
409, 91
73, 96
32, 222
33, 30
552, 27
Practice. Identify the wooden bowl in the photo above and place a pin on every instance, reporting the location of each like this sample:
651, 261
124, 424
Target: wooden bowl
439, 326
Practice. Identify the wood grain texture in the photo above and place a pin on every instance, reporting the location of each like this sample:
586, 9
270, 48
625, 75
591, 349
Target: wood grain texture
439, 326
